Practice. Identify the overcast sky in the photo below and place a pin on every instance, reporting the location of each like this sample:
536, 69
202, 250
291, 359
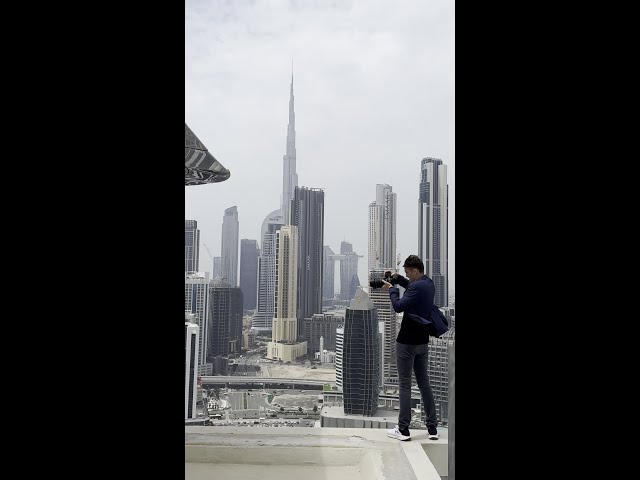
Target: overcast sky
374, 86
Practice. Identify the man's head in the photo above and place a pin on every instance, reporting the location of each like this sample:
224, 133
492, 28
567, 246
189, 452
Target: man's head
413, 267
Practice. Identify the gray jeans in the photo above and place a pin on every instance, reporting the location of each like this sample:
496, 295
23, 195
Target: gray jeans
408, 358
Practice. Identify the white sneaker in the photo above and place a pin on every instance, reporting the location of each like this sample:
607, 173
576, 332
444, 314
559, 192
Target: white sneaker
395, 433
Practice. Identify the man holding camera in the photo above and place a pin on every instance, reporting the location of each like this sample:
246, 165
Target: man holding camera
412, 343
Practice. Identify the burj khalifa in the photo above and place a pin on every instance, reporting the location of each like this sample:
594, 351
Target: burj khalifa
273, 221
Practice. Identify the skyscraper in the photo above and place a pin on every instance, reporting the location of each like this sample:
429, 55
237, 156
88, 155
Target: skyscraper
196, 301
289, 175
230, 227
307, 213
249, 253
361, 351
265, 311
191, 246
217, 268
382, 229
272, 222
321, 325
339, 355
355, 283
433, 233
386, 314
190, 369
225, 320
382, 252
284, 324
235, 320
450, 313
439, 372
328, 273
348, 271
284, 330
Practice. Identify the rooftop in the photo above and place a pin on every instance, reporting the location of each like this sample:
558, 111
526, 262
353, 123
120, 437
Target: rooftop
236, 453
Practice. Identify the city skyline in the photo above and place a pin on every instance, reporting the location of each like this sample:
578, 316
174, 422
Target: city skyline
352, 130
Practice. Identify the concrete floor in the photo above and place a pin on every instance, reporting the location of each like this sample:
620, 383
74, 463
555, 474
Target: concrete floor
236, 453
208, 471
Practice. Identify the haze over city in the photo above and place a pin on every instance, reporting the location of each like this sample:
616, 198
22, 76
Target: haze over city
374, 94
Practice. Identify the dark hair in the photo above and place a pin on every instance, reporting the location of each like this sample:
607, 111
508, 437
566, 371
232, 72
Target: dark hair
413, 261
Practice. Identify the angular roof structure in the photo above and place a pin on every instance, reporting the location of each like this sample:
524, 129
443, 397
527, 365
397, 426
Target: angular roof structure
200, 167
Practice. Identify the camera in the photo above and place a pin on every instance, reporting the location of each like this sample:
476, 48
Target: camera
377, 282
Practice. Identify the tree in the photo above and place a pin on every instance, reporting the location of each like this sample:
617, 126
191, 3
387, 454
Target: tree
315, 408
300, 409
282, 409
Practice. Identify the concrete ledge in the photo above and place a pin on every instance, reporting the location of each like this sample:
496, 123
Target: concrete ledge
438, 455
415, 455
236, 453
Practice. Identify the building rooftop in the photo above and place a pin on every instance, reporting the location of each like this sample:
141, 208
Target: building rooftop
236, 453
196, 276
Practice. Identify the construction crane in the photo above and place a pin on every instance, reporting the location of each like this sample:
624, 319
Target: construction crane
212, 262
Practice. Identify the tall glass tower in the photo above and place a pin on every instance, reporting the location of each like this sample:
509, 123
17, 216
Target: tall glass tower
433, 233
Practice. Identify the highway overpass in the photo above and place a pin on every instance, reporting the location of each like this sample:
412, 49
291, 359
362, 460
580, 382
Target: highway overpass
273, 381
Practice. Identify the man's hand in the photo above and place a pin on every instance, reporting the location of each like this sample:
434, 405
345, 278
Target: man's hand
386, 286
388, 273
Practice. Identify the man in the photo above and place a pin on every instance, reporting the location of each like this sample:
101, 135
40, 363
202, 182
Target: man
412, 347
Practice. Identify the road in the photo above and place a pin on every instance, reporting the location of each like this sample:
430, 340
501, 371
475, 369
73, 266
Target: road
247, 364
